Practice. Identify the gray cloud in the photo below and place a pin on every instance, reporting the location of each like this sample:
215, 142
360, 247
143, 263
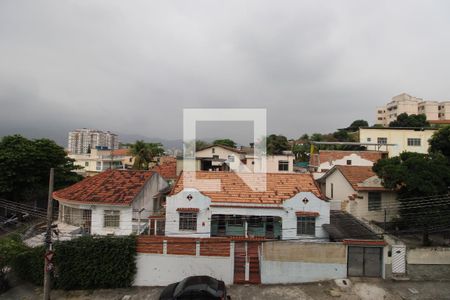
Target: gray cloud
131, 67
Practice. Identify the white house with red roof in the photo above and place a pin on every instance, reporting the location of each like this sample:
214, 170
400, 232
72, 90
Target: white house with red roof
291, 207
325, 160
359, 191
113, 202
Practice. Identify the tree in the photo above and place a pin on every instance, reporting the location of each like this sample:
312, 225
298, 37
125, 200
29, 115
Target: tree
440, 142
417, 175
199, 144
25, 166
225, 142
144, 153
357, 124
301, 152
276, 144
405, 120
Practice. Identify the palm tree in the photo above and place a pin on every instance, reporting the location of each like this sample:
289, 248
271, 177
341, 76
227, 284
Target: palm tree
144, 153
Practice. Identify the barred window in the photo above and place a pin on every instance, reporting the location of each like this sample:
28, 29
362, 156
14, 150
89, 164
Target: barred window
188, 221
382, 140
306, 225
413, 142
111, 218
374, 201
283, 165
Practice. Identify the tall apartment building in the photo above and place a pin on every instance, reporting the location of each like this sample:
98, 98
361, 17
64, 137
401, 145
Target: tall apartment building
81, 140
408, 104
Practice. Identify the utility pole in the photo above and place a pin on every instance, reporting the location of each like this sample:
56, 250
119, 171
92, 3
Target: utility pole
48, 239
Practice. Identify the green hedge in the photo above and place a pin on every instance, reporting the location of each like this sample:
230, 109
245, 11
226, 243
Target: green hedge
84, 263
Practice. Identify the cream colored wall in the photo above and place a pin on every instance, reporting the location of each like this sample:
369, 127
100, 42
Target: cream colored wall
360, 207
398, 137
341, 190
430, 109
271, 163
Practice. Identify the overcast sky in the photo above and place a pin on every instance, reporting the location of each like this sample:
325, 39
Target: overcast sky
132, 66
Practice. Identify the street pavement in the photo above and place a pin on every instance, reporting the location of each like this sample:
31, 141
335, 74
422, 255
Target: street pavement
353, 289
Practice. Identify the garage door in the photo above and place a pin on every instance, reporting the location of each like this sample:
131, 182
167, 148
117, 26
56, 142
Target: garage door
364, 261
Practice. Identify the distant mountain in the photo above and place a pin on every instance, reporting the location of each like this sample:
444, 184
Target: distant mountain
168, 144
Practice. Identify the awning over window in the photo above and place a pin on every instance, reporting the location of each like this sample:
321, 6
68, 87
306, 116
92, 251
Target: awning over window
188, 209
307, 214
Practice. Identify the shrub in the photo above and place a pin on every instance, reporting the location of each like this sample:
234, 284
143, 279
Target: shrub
84, 263
10, 247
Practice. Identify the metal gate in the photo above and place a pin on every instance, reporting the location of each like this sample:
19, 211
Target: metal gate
398, 259
246, 262
364, 261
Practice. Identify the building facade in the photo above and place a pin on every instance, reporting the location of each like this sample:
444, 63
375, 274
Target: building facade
223, 158
114, 202
101, 160
292, 207
358, 191
397, 140
405, 103
82, 141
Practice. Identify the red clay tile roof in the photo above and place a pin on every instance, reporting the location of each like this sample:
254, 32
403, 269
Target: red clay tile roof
307, 214
332, 155
280, 187
116, 187
167, 168
356, 175
439, 121
121, 152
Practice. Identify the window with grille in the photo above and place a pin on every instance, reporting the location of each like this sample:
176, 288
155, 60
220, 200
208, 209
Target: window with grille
382, 140
75, 216
283, 165
306, 225
374, 201
111, 218
413, 142
188, 221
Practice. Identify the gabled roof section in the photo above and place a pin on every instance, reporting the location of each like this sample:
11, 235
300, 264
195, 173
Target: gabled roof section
121, 152
332, 155
361, 178
112, 187
233, 189
167, 169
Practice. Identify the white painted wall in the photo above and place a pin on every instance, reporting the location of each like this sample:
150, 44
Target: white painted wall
145, 199
161, 270
287, 213
180, 200
355, 158
223, 154
125, 228
341, 189
314, 204
358, 207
